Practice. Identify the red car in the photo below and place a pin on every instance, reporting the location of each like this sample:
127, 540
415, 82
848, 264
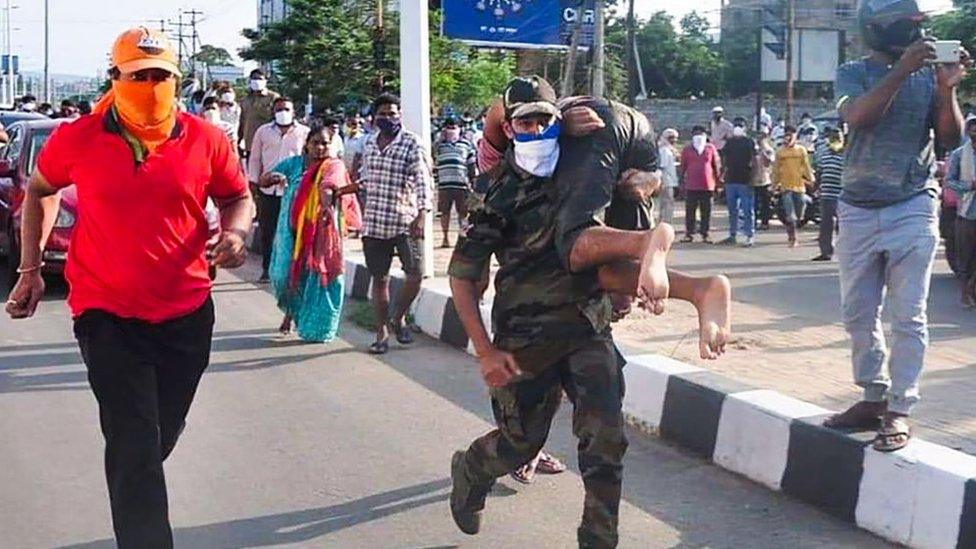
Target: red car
17, 161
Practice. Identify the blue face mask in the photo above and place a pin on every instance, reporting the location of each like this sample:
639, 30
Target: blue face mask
538, 153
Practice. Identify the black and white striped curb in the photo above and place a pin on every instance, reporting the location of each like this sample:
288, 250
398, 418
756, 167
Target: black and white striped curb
923, 496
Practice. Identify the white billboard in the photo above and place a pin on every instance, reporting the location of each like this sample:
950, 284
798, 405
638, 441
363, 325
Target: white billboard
816, 54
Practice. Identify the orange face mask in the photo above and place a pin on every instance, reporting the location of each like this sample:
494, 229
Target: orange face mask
146, 109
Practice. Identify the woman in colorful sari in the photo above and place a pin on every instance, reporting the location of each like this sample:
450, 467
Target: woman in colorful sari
306, 261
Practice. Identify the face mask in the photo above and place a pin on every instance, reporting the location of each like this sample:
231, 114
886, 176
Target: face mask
284, 118
806, 121
147, 109
228, 97
452, 135
698, 141
29, 107
538, 153
257, 84
899, 35
738, 131
388, 126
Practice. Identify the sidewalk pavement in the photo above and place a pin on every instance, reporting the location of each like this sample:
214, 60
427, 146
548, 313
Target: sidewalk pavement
787, 331
922, 496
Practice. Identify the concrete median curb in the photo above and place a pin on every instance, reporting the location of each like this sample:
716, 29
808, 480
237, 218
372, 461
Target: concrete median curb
923, 496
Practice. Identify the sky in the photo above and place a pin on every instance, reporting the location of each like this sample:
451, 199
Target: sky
82, 30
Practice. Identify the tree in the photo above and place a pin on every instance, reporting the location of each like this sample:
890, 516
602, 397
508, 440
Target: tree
675, 64
323, 47
326, 47
959, 24
213, 56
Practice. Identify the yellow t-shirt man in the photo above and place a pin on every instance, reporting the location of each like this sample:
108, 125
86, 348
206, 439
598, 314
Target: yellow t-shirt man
791, 170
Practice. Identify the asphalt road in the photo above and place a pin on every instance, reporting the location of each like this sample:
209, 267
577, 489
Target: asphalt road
303, 445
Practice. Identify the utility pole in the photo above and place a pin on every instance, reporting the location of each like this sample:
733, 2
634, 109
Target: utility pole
630, 56
47, 52
179, 37
379, 46
194, 41
599, 57
10, 61
415, 91
569, 79
759, 64
790, 30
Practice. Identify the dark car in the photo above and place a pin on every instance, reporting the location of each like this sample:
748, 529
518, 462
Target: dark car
17, 161
9, 117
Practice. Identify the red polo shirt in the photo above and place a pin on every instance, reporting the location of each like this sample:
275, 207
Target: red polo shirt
699, 169
137, 249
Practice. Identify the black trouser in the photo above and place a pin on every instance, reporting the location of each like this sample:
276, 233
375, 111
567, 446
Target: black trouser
947, 229
268, 224
966, 249
828, 222
763, 205
695, 201
144, 377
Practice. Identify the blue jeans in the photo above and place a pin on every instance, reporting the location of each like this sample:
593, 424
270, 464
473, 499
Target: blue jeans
740, 201
886, 258
795, 204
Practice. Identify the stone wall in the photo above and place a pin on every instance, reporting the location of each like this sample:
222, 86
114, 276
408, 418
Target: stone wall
682, 114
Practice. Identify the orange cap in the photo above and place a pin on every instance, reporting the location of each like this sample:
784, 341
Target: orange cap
141, 48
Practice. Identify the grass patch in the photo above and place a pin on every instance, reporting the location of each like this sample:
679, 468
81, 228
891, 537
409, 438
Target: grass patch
361, 314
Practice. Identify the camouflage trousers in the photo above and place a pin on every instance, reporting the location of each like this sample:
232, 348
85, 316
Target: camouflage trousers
592, 377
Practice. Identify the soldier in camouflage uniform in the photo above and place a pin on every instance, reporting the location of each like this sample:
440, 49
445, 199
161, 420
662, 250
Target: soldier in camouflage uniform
552, 333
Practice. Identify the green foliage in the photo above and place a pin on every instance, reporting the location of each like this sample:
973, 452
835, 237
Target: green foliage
959, 24
463, 77
676, 64
213, 55
324, 47
327, 47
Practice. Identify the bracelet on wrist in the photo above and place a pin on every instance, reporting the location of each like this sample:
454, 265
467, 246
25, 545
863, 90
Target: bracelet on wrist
25, 270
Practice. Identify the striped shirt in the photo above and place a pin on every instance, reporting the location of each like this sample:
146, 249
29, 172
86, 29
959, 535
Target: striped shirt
830, 166
398, 185
454, 160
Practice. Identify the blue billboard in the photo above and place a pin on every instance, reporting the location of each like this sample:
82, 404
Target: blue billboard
518, 23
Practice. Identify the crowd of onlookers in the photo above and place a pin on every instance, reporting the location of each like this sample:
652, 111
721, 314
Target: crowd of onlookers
759, 170
795, 173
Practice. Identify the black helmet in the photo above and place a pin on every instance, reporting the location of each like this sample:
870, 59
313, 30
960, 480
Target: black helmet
890, 26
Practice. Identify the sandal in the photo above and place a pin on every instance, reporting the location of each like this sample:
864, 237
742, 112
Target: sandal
863, 416
550, 465
894, 434
379, 347
402, 333
524, 474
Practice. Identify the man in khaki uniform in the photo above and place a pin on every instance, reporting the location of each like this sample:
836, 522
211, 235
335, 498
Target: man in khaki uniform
257, 109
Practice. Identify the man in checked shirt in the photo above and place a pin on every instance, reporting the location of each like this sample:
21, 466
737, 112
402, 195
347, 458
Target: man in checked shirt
397, 178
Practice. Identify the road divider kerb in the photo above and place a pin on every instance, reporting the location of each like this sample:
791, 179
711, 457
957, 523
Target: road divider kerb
923, 496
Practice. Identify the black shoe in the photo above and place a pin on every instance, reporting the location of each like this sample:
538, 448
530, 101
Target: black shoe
264, 278
404, 335
467, 502
822, 257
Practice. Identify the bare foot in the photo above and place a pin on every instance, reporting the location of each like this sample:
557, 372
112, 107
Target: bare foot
653, 286
714, 304
285, 327
621, 306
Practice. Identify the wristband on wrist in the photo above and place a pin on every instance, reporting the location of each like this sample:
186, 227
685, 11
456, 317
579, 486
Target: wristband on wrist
25, 270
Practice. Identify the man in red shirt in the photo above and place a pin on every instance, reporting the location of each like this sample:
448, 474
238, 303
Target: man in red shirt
700, 169
137, 265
